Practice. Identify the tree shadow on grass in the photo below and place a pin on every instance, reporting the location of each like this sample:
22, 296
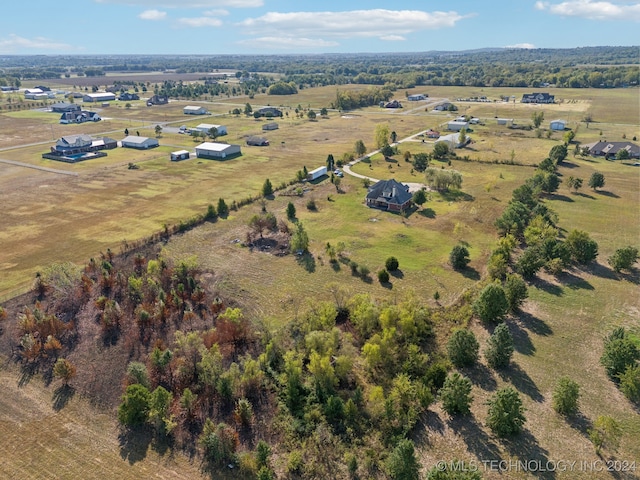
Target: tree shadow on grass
387, 285
61, 396
526, 448
335, 265
603, 271
579, 422
27, 371
574, 282
134, 444
481, 376
477, 441
580, 194
522, 381
534, 324
456, 196
397, 273
428, 213
521, 341
470, 273
307, 261
560, 197
548, 287
606, 193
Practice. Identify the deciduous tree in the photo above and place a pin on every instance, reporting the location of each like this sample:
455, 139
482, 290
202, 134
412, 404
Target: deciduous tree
623, 258
596, 180
565, 396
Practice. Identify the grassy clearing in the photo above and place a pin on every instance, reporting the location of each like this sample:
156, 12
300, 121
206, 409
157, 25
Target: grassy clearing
48, 433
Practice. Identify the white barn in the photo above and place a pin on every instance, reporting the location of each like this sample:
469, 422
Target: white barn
205, 127
194, 110
141, 143
217, 150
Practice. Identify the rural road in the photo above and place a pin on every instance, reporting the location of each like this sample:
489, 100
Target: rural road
412, 186
36, 167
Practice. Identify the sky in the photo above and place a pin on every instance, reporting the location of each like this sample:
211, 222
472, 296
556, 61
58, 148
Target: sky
211, 27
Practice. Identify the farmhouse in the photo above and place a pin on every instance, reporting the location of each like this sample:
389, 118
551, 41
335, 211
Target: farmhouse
63, 107
457, 125
256, 141
179, 155
611, 149
558, 124
217, 150
98, 97
79, 116
537, 98
141, 143
417, 97
126, 97
194, 110
432, 134
158, 100
270, 126
444, 107
453, 139
205, 127
389, 195
74, 144
269, 112
393, 104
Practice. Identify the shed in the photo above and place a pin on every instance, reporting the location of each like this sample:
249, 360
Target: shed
205, 127
63, 107
270, 126
98, 97
141, 143
317, 173
217, 150
457, 125
194, 110
257, 141
417, 97
179, 155
558, 124
505, 121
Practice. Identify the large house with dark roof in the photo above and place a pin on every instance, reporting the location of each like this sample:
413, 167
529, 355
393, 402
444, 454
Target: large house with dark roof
611, 149
537, 98
389, 195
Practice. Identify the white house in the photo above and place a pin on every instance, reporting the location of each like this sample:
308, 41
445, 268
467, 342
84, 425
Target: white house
558, 124
457, 125
141, 143
194, 110
217, 150
98, 97
205, 127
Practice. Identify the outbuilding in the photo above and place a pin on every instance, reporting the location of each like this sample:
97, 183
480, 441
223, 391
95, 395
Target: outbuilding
141, 143
558, 124
98, 97
317, 173
257, 141
179, 155
217, 151
206, 127
457, 125
270, 126
64, 107
417, 97
194, 110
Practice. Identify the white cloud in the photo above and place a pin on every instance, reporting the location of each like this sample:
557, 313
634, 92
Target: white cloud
521, 45
593, 9
14, 43
357, 23
216, 13
153, 15
189, 3
200, 22
393, 38
286, 42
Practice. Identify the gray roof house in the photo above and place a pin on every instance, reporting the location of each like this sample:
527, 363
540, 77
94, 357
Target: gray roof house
257, 141
537, 98
141, 143
389, 195
611, 149
63, 107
